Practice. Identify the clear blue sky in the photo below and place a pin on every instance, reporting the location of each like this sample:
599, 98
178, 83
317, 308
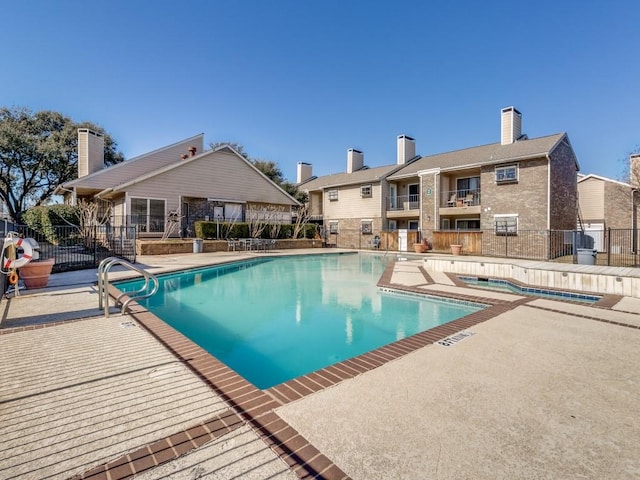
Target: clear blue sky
304, 81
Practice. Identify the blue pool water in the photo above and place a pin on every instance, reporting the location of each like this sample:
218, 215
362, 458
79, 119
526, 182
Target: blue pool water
506, 286
274, 319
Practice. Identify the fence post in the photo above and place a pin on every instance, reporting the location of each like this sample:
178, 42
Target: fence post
95, 245
609, 246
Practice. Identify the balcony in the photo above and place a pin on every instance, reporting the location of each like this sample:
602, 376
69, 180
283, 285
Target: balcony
403, 206
460, 201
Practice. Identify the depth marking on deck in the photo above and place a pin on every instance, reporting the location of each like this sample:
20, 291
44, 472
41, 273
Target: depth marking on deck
453, 339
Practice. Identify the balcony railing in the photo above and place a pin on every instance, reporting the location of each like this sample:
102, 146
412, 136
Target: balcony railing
460, 198
403, 202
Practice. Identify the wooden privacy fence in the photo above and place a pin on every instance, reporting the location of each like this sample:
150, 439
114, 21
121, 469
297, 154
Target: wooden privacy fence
471, 241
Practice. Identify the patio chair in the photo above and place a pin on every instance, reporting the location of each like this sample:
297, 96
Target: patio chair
468, 199
231, 244
452, 200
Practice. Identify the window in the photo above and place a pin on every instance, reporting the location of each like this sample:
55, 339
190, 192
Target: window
333, 227
468, 224
393, 225
366, 226
413, 224
506, 224
148, 214
332, 195
507, 174
365, 191
232, 212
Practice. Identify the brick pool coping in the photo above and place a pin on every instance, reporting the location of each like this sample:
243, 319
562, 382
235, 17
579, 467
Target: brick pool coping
251, 406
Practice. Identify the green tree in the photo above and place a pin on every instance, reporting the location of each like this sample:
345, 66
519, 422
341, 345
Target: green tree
38, 152
270, 169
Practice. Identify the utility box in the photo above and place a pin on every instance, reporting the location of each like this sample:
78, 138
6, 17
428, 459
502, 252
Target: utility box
587, 256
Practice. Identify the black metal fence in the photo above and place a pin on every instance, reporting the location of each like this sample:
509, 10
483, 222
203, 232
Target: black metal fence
75, 248
614, 247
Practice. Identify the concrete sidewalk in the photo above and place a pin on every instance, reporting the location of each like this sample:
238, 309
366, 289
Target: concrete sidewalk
547, 389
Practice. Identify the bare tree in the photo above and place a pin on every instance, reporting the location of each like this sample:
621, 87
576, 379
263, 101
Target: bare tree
276, 213
261, 217
256, 219
172, 223
92, 214
303, 215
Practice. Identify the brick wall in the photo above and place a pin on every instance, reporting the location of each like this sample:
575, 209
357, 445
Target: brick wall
617, 205
429, 194
564, 189
350, 232
527, 198
172, 247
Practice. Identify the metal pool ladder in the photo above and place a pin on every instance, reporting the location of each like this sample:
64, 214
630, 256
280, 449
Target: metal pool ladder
103, 285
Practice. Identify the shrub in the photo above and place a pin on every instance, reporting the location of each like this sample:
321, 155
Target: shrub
50, 221
209, 229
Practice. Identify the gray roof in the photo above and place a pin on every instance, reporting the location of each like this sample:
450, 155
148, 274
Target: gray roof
135, 167
339, 179
482, 155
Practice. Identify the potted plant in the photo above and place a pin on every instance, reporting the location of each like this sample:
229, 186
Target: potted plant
456, 248
422, 247
35, 274
419, 247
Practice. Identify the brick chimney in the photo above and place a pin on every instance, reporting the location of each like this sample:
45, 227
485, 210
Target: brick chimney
304, 172
406, 149
511, 125
90, 152
355, 160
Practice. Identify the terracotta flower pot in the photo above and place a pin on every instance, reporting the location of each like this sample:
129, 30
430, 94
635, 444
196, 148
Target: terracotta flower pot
456, 249
35, 274
419, 247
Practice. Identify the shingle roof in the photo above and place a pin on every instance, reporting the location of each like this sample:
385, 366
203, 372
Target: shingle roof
340, 179
484, 154
135, 167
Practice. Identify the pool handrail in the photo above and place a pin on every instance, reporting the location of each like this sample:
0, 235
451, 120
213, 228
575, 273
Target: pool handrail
103, 285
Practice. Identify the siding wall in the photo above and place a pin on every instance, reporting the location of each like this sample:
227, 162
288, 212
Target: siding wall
315, 200
218, 175
351, 205
591, 197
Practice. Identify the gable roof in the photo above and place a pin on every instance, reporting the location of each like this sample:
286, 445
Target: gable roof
135, 167
483, 155
582, 178
280, 196
342, 179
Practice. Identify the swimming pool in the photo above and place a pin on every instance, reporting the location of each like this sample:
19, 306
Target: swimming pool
274, 319
507, 286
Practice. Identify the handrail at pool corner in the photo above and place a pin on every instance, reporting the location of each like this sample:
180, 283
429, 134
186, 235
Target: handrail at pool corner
103, 284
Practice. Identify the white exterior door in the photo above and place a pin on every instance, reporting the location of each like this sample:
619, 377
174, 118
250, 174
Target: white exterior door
402, 240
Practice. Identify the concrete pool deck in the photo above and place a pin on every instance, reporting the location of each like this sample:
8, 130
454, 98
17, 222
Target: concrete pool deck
538, 389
